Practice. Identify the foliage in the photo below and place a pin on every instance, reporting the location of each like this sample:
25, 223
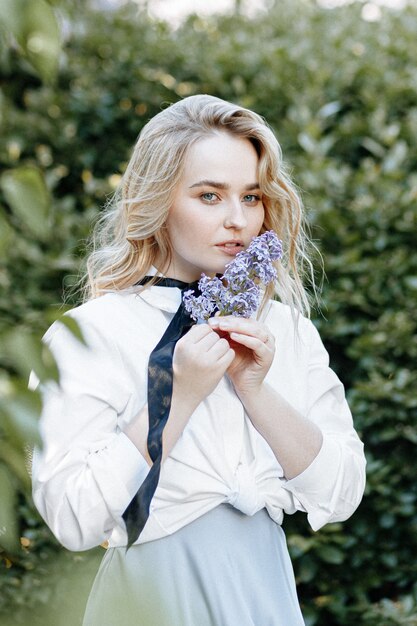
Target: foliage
35, 29
340, 93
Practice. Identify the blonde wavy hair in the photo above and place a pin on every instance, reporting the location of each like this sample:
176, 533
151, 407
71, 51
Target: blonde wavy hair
129, 235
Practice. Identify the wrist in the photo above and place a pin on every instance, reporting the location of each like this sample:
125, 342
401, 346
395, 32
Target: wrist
249, 393
184, 401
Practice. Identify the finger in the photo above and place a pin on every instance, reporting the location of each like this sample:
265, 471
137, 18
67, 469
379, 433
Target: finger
241, 325
207, 341
219, 349
198, 331
227, 359
233, 322
253, 343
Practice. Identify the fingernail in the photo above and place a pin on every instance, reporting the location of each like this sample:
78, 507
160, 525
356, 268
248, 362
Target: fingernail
213, 322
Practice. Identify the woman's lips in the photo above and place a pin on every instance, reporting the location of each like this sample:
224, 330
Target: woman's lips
230, 250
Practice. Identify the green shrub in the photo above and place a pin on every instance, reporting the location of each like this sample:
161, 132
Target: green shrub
340, 93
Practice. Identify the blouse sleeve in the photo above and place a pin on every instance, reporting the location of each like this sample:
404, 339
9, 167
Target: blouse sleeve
331, 488
88, 470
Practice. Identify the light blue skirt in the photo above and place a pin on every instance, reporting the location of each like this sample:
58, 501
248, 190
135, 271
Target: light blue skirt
224, 569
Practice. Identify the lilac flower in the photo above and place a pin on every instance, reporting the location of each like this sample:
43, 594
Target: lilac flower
242, 303
266, 246
211, 287
200, 307
240, 295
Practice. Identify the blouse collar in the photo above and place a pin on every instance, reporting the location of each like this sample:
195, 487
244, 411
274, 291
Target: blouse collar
164, 298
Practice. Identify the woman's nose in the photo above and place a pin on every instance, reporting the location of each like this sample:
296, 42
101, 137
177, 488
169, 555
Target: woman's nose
235, 216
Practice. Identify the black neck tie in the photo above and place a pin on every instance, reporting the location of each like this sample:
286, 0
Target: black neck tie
160, 378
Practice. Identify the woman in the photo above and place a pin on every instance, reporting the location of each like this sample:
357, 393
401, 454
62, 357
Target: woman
258, 423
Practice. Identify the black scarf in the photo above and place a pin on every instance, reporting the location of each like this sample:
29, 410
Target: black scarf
160, 379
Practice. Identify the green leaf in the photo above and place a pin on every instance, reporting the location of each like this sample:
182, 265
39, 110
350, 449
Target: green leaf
73, 327
330, 554
307, 142
11, 15
26, 193
17, 462
21, 413
34, 25
9, 538
6, 234
25, 352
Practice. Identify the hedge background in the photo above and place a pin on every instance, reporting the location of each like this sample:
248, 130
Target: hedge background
341, 93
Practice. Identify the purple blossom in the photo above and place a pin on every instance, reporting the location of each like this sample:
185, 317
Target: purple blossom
242, 303
200, 307
211, 287
266, 246
240, 295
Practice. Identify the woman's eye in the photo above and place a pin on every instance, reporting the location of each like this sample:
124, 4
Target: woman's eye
209, 196
252, 198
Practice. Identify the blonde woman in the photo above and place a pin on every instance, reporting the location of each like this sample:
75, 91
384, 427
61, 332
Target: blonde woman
182, 446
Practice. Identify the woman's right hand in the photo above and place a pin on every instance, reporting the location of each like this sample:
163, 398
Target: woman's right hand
200, 360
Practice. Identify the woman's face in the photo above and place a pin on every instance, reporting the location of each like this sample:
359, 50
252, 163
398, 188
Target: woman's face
217, 206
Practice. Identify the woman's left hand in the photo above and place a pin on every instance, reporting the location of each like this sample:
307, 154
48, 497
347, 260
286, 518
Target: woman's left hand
254, 346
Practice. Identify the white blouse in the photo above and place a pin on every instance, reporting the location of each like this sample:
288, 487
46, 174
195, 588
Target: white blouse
88, 470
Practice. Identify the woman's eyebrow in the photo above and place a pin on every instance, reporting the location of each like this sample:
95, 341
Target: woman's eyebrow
218, 185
